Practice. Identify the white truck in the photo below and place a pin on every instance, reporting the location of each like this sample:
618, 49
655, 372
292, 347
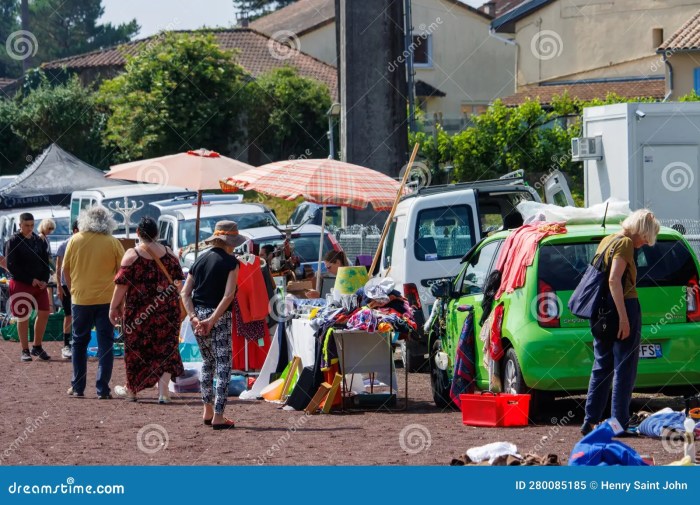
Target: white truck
435, 227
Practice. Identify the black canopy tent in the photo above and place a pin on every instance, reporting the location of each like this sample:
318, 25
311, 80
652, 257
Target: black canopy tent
50, 180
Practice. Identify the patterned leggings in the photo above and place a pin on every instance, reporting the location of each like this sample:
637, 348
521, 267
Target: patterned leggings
216, 353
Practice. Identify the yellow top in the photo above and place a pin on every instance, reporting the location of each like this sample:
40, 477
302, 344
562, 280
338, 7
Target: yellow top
621, 248
92, 259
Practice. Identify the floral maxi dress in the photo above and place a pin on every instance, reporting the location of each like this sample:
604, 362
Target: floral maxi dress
151, 322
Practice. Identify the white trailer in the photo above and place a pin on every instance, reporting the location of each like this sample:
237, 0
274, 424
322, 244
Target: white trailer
646, 153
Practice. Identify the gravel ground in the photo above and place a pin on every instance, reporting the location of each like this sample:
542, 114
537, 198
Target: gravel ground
41, 425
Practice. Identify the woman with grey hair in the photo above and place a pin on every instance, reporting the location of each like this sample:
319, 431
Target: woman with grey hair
615, 359
91, 261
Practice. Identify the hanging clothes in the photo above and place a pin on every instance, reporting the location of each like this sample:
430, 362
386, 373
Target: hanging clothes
252, 291
518, 252
463, 379
250, 333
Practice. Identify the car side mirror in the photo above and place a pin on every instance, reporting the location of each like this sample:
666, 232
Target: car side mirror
442, 288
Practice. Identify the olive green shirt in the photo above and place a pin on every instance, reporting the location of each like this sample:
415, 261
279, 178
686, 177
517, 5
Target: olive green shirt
621, 248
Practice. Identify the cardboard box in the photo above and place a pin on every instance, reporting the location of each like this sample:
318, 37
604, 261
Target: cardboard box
299, 288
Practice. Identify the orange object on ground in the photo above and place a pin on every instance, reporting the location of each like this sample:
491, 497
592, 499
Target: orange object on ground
328, 376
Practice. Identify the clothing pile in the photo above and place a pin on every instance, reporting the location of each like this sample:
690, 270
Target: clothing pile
503, 454
379, 308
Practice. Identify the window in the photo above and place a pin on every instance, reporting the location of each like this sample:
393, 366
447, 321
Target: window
696, 80
657, 37
668, 263
443, 233
389, 244
422, 49
478, 268
305, 246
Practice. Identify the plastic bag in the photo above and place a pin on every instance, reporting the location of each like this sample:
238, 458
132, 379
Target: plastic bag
492, 451
618, 210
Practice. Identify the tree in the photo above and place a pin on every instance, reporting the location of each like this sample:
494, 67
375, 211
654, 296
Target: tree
9, 11
182, 92
253, 9
287, 116
65, 114
12, 148
66, 27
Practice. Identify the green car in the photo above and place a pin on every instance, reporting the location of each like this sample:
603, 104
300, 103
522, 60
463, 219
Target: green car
549, 351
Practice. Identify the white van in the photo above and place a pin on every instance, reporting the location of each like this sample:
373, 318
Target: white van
177, 221
117, 195
434, 228
9, 224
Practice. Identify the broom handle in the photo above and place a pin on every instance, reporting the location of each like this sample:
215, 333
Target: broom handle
399, 194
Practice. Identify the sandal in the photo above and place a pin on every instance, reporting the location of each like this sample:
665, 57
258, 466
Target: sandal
226, 425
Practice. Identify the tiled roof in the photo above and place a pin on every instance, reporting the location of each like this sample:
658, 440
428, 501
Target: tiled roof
305, 15
298, 17
4, 82
634, 88
257, 54
686, 38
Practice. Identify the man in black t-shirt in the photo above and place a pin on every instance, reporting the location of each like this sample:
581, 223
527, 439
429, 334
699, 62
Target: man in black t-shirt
28, 263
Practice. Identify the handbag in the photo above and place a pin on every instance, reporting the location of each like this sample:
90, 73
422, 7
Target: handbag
591, 298
183, 310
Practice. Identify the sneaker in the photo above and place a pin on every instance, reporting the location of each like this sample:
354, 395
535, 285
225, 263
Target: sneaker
586, 428
105, 397
66, 352
25, 356
40, 353
125, 393
72, 392
164, 400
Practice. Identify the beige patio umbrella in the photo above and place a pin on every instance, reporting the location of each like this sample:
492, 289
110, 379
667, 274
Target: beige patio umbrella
195, 170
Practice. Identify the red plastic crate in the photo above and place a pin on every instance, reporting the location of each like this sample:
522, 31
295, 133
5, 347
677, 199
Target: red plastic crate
495, 409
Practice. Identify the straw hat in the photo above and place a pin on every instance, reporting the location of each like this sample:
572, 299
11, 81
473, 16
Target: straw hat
226, 232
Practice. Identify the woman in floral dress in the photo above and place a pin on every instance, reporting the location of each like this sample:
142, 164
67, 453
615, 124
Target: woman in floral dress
148, 306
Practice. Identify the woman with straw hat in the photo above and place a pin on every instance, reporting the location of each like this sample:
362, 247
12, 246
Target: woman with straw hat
208, 295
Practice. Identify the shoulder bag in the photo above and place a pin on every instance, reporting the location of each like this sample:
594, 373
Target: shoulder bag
183, 311
591, 298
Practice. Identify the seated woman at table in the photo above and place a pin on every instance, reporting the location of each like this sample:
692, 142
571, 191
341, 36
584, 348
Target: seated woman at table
333, 261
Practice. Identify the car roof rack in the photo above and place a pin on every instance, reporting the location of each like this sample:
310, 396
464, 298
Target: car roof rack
512, 180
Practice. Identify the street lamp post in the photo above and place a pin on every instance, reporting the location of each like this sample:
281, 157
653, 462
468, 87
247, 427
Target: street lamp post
334, 111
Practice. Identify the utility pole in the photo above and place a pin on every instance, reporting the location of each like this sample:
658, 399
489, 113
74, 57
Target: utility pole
24, 12
408, 31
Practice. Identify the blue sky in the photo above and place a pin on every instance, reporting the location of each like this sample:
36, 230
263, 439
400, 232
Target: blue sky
155, 15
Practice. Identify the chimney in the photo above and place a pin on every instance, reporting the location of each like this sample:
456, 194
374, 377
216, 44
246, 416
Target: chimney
489, 8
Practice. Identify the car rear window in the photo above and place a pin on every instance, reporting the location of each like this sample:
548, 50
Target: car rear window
668, 263
305, 246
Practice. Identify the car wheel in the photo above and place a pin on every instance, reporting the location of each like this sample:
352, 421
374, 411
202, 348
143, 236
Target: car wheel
514, 384
439, 381
413, 355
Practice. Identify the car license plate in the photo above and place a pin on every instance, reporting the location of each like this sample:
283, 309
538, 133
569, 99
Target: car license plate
650, 351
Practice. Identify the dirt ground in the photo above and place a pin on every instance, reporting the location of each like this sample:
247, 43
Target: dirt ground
41, 425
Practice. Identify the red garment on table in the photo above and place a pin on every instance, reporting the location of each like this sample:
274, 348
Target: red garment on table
252, 291
518, 252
